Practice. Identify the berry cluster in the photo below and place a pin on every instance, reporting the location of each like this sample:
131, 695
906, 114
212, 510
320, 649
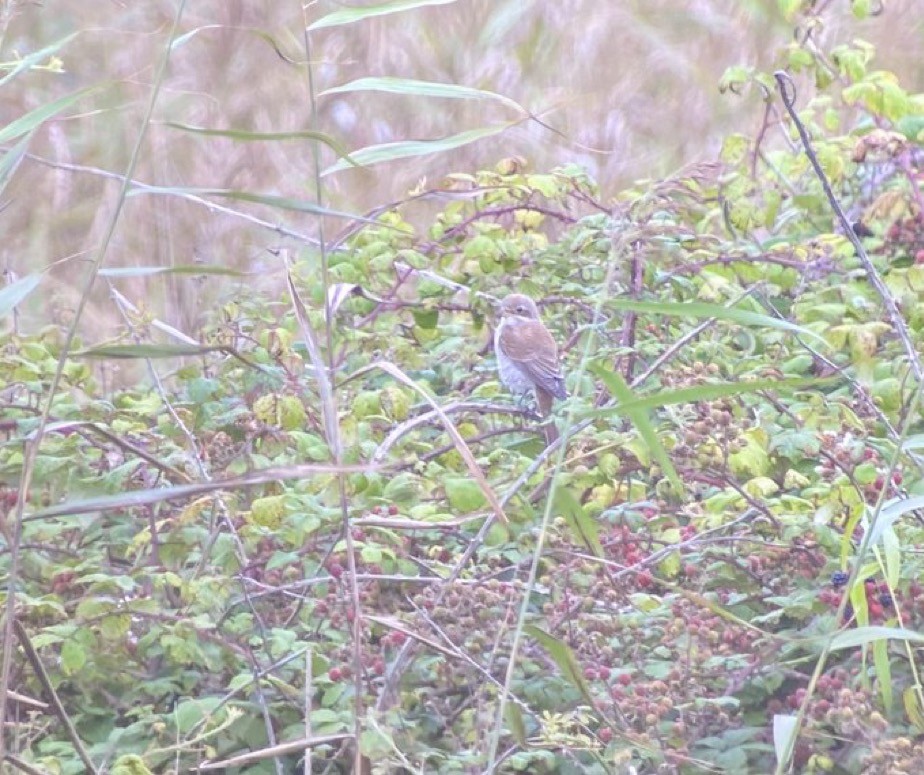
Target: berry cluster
905, 237
846, 454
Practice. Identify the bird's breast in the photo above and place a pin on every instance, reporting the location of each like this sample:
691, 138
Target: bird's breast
513, 377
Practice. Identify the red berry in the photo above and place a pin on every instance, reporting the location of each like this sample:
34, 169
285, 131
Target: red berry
335, 674
605, 735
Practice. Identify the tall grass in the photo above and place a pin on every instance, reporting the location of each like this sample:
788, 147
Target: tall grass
630, 87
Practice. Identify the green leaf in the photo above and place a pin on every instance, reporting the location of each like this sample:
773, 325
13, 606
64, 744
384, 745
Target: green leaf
115, 627
464, 495
426, 319
130, 764
352, 15
190, 712
15, 292
515, 723
582, 526
377, 154
639, 417
563, 657
73, 657
415, 88
883, 673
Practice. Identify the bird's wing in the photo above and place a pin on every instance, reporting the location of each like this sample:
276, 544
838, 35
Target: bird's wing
532, 347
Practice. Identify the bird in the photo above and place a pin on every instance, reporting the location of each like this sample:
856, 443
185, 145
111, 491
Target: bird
527, 356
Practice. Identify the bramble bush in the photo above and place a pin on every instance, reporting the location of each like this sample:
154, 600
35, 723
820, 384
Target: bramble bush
716, 571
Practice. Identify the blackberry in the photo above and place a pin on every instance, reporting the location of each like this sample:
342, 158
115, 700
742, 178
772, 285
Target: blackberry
839, 578
885, 599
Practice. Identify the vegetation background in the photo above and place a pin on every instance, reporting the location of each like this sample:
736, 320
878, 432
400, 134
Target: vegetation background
265, 507
632, 88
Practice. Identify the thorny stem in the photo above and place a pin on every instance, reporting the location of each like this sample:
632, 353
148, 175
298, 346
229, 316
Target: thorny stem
788, 94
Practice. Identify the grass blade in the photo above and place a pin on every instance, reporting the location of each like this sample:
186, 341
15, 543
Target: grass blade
376, 154
415, 88
15, 292
193, 269
784, 730
706, 393
159, 494
248, 136
11, 159
352, 15
146, 351
564, 658
270, 200
583, 526
25, 124
696, 309
639, 418
861, 636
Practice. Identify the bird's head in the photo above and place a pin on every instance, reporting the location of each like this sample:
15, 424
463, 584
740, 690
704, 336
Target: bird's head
520, 306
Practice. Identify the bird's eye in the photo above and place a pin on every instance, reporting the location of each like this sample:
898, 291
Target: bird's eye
521, 309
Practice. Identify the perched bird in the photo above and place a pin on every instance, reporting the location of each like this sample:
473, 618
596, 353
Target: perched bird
527, 356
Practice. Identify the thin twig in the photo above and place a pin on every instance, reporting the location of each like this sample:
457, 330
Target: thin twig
427, 417
283, 231
19, 764
309, 691
295, 746
39, 669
